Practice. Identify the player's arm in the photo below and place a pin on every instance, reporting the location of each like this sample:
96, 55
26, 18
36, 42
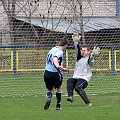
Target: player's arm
56, 63
95, 52
91, 60
79, 56
76, 39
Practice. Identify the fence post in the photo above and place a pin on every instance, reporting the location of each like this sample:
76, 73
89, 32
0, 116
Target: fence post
14, 61
66, 58
113, 63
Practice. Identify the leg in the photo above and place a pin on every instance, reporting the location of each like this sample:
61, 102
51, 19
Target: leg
49, 86
58, 86
48, 100
70, 88
58, 97
79, 88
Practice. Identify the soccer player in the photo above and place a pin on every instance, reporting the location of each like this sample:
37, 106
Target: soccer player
82, 72
52, 75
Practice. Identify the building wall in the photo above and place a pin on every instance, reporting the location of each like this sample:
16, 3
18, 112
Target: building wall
65, 8
59, 9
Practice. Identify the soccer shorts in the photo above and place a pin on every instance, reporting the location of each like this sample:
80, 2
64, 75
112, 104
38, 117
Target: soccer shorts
52, 79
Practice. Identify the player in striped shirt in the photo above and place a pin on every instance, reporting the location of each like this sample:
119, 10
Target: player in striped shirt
52, 75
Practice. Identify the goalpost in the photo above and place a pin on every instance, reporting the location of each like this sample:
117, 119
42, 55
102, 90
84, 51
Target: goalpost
31, 28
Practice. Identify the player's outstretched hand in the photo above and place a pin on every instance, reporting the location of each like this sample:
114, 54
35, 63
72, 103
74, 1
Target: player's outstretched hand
64, 69
76, 38
95, 51
67, 70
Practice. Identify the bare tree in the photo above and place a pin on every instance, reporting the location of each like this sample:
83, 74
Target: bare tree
69, 9
81, 21
55, 13
28, 7
8, 6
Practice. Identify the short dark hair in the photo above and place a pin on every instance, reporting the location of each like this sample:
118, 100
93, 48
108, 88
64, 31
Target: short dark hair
63, 42
86, 46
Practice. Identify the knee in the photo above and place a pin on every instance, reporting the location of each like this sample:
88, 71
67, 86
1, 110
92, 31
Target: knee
59, 89
77, 89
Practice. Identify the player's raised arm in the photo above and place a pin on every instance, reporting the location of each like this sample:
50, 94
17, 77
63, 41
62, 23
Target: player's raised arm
76, 39
95, 52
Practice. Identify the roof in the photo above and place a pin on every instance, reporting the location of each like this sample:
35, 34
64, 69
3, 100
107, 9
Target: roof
70, 25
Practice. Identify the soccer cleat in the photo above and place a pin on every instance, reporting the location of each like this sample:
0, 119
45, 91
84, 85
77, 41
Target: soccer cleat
47, 104
70, 99
89, 104
58, 108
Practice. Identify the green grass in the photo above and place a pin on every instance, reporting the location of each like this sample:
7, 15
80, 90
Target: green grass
33, 84
105, 107
22, 97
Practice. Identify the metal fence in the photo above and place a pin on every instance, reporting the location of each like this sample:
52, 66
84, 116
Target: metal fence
32, 58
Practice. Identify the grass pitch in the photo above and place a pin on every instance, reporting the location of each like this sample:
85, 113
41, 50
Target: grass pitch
105, 107
22, 97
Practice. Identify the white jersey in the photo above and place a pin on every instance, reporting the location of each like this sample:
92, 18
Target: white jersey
83, 66
83, 69
54, 52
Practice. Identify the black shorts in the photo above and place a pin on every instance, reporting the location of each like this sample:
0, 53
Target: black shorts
52, 79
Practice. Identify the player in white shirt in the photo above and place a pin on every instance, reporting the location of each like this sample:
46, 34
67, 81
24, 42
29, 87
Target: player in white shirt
82, 72
52, 75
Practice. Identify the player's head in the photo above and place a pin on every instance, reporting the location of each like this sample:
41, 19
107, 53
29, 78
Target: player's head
63, 43
85, 50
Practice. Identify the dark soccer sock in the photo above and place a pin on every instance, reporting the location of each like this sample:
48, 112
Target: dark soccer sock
49, 95
58, 96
